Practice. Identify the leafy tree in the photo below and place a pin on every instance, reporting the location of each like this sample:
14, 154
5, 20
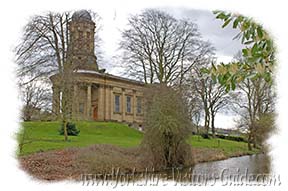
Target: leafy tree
259, 52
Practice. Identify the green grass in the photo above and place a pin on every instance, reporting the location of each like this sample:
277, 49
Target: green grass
227, 146
43, 136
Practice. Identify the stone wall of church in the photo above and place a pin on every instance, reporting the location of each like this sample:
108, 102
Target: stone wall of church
107, 106
94, 98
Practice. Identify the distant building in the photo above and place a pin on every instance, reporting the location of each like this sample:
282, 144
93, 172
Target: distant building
96, 95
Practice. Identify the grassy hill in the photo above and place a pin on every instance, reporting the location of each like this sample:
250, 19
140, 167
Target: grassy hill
43, 136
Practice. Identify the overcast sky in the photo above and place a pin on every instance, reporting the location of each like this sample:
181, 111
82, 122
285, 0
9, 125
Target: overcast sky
114, 21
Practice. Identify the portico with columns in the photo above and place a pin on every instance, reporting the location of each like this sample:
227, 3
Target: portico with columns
102, 97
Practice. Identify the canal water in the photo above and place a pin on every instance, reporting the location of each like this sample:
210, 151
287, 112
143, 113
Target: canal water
232, 171
253, 164
237, 169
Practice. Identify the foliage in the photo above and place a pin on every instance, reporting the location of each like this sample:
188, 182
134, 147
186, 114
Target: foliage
232, 138
71, 129
205, 136
255, 99
167, 127
259, 53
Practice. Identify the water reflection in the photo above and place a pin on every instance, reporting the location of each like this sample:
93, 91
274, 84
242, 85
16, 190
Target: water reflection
253, 164
229, 171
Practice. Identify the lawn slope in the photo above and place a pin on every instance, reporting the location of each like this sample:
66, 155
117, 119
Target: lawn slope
43, 136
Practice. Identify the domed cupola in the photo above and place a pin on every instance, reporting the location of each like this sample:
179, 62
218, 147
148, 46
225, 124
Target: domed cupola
81, 15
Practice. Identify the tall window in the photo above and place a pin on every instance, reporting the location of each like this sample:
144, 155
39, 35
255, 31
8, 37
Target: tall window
117, 104
128, 104
81, 107
139, 105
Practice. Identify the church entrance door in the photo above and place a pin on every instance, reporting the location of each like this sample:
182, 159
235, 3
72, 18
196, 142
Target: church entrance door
95, 113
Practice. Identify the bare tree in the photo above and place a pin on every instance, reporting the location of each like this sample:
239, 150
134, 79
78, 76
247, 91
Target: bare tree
160, 48
194, 105
255, 98
205, 94
218, 99
254, 101
44, 50
35, 98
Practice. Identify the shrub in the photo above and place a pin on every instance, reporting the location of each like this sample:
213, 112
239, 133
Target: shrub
205, 136
231, 138
71, 129
166, 127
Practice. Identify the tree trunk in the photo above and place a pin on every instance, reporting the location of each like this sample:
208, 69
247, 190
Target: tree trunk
207, 121
254, 142
65, 130
197, 129
213, 124
249, 142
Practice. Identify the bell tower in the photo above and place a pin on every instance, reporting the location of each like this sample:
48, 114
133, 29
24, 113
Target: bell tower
81, 46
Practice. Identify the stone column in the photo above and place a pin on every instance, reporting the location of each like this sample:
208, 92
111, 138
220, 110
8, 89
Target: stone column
101, 102
112, 101
109, 98
56, 101
134, 106
88, 109
107, 103
75, 103
123, 105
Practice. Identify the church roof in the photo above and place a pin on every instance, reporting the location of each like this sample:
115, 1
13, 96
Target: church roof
110, 76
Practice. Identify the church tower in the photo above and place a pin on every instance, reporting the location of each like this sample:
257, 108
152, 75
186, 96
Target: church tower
81, 46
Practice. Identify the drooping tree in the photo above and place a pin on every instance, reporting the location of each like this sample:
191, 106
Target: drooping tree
167, 127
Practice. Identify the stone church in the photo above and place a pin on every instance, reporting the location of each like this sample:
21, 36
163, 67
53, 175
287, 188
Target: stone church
97, 95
